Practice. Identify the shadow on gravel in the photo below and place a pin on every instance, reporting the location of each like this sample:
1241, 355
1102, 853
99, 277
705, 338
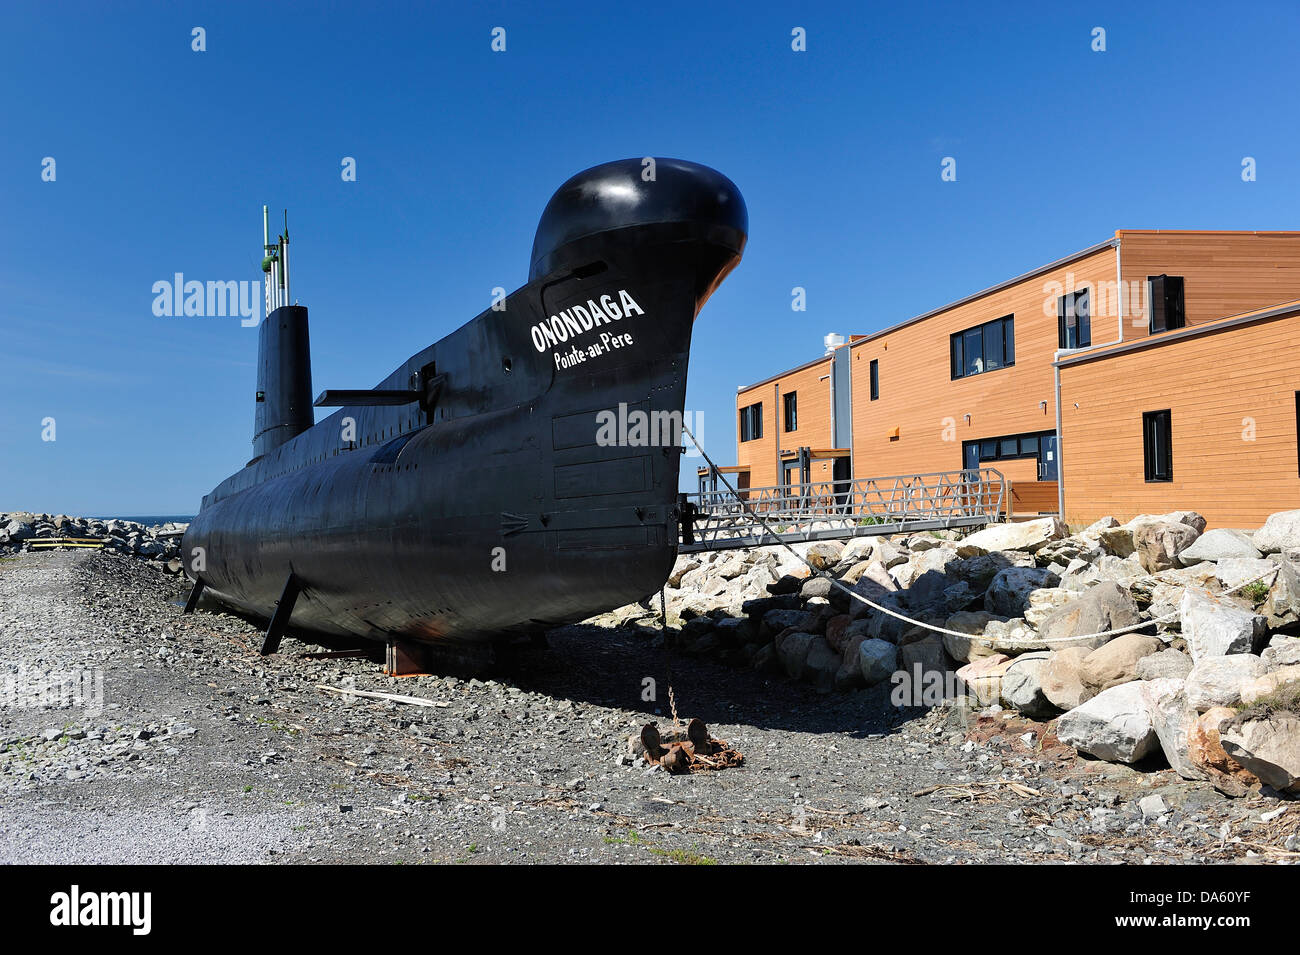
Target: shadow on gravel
612, 667
597, 665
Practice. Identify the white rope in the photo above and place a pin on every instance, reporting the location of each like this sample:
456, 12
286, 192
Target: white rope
972, 637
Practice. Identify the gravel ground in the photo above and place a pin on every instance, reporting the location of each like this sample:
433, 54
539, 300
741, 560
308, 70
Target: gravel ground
187, 746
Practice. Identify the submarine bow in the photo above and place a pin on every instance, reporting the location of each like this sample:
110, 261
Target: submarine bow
521, 472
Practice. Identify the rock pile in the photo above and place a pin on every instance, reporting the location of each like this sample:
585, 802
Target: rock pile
19, 530
1206, 671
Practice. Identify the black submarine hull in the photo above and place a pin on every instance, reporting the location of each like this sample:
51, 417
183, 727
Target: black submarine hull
534, 482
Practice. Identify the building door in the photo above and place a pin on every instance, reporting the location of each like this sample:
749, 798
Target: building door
970, 453
1047, 458
842, 473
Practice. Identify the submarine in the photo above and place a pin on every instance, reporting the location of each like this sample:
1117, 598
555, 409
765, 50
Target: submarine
478, 491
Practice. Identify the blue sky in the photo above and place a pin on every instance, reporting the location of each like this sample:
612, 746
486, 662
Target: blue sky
165, 156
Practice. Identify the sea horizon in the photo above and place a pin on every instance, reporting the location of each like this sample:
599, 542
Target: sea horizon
147, 519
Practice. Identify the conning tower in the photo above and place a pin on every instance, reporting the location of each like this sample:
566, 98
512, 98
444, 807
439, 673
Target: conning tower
283, 406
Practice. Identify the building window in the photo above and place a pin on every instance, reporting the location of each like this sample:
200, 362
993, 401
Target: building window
1297, 428
1039, 445
1157, 446
983, 348
875, 378
1074, 319
751, 422
790, 410
1165, 293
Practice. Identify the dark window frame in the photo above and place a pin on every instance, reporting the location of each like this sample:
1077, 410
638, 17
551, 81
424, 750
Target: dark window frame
1172, 298
875, 379
751, 422
958, 359
790, 411
1062, 330
1157, 429
997, 443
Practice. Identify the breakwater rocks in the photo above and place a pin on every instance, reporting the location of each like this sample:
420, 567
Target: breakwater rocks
1152, 640
23, 531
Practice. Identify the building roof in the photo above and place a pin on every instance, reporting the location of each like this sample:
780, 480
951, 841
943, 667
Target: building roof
790, 371
1268, 233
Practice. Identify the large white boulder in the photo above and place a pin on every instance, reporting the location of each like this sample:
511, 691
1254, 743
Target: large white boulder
1214, 626
684, 565
888, 552
1173, 719
1218, 681
1122, 572
856, 549
1115, 725
1100, 609
1012, 636
1020, 535
1283, 602
1165, 664
1232, 572
1281, 652
1022, 686
1218, 544
1269, 747
929, 561
1043, 603
1280, 532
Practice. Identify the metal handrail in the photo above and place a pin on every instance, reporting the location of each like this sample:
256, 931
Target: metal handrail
847, 508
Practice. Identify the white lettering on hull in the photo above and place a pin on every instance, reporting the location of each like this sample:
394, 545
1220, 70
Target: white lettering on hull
577, 320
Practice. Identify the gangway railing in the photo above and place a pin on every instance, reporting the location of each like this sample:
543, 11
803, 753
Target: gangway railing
723, 520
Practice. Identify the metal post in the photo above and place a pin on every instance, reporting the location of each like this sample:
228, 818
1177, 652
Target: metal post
287, 298
266, 250
1060, 458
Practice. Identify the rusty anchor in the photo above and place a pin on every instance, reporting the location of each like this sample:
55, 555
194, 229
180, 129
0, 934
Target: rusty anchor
697, 751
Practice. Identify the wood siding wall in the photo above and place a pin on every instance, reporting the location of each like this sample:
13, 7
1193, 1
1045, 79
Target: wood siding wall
813, 406
920, 399
1224, 273
1232, 398
1031, 498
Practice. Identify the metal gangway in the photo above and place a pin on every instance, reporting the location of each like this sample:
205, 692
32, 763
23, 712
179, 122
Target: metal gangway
726, 520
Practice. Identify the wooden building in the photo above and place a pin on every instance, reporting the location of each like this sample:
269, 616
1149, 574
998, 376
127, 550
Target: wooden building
1196, 324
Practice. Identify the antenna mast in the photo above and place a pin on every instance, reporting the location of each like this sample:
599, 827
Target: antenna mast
275, 263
